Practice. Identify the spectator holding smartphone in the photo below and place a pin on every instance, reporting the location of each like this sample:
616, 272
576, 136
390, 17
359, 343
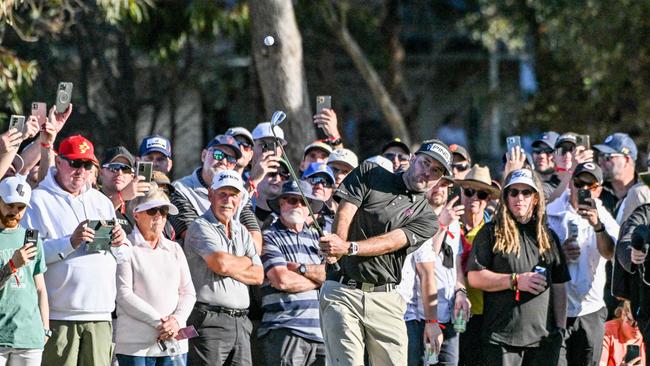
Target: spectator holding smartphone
619, 333
24, 312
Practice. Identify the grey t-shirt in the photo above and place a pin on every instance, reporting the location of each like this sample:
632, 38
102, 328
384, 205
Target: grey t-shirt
205, 236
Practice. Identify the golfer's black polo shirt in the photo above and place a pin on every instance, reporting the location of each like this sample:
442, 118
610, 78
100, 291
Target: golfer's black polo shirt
385, 204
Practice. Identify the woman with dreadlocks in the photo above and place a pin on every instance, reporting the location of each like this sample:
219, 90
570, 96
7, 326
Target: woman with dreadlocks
517, 262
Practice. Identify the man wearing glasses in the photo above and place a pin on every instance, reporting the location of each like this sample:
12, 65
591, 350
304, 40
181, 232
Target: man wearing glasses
567, 156
543, 153
191, 195
80, 281
321, 178
398, 153
270, 186
119, 184
462, 161
587, 233
245, 141
381, 218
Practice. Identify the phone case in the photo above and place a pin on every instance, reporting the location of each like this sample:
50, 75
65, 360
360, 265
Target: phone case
323, 101
103, 230
145, 169
63, 96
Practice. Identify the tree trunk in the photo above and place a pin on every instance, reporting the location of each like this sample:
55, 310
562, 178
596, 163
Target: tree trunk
281, 71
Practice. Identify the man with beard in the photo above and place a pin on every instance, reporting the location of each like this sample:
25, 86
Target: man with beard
543, 149
80, 281
380, 219
24, 312
290, 330
321, 178
119, 184
191, 195
567, 156
269, 187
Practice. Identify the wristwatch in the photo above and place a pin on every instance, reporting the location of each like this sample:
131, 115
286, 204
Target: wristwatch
48, 333
353, 249
302, 269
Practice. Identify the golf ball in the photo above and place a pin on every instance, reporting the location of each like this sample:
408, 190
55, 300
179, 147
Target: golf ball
269, 40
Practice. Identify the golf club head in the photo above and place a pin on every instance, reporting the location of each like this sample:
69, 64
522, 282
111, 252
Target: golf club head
277, 118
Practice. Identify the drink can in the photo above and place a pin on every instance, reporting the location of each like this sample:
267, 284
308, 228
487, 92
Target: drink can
460, 325
540, 270
430, 357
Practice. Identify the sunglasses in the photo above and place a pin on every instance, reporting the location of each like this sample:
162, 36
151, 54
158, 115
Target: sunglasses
542, 150
566, 149
579, 183
118, 167
320, 180
515, 192
220, 155
292, 200
283, 175
338, 171
608, 157
244, 143
400, 157
469, 193
461, 167
76, 164
164, 211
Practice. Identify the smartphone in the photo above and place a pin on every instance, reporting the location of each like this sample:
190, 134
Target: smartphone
323, 101
63, 96
187, 333
103, 235
573, 230
17, 122
512, 141
632, 352
31, 236
39, 110
584, 197
645, 177
145, 169
583, 140
270, 146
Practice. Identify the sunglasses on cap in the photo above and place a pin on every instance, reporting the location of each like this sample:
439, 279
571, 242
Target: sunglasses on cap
400, 157
163, 210
515, 192
579, 183
293, 200
320, 180
461, 167
469, 193
118, 167
220, 155
543, 150
76, 164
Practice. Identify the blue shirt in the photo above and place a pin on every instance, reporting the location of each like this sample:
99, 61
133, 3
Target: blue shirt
297, 312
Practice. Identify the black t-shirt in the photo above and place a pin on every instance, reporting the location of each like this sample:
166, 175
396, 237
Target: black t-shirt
550, 184
385, 204
525, 322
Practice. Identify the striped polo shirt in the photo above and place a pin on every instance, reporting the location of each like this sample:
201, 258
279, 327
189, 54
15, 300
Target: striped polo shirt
297, 312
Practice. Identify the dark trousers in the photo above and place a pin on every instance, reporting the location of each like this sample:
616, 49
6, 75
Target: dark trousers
583, 341
281, 347
471, 343
223, 339
448, 355
547, 354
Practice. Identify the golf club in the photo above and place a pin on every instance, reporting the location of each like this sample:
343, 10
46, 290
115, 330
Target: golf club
277, 118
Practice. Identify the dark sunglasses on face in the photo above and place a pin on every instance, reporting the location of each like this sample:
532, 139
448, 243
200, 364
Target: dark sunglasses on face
76, 164
292, 200
244, 143
542, 150
319, 180
461, 167
283, 175
608, 157
118, 167
515, 192
579, 183
164, 210
566, 149
220, 155
469, 193
400, 157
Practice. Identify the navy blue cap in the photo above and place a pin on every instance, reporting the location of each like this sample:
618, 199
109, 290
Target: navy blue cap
318, 168
618, 143
290, 188
156, 143
225, 140
549, 138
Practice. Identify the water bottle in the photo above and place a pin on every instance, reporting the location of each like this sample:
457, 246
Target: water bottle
460, 325
174, 352
430, 357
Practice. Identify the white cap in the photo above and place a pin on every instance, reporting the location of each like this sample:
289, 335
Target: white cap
523, 176
344, 156
15, 190
382, 162
227, 178
173, 210
263, 130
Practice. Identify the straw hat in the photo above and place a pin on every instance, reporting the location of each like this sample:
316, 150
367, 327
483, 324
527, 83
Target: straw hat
479, 178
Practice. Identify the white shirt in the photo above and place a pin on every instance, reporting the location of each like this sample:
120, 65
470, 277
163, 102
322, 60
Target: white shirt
409, 288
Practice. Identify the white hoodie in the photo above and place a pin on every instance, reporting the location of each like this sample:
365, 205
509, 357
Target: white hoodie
80, 285
585, 290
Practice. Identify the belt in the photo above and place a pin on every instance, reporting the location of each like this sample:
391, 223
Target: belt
221, 309
365, 286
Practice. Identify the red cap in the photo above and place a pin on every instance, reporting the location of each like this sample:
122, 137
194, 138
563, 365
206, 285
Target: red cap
77, 147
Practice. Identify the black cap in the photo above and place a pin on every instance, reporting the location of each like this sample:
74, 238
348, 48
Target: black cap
589, 168
396, 142
437, 150
115, 152
225, 140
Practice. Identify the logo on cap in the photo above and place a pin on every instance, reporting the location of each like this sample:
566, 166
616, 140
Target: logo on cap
226, 176
453, 147
438, 149
625, 151
20, 190
609, 138
522, 173
590, 166
83, 147
157, 142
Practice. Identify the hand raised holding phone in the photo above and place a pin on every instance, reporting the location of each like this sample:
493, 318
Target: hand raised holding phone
24, 255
